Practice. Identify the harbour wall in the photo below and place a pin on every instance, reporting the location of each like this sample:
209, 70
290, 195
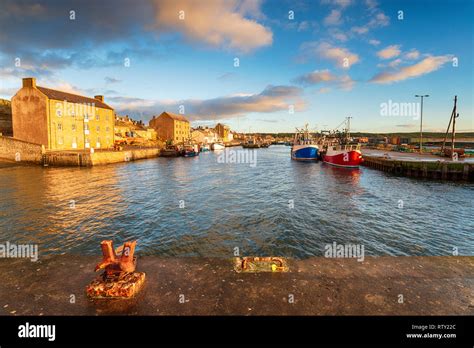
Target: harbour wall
24, 152
20, 151
87, 159
442, 170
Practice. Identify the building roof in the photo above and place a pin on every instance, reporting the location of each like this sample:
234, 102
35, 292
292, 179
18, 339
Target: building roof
175, 116
72, 98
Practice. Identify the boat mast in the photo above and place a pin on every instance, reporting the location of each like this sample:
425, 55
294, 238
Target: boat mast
348, 127
451, 120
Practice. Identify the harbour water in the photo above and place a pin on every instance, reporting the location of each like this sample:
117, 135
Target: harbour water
203, 207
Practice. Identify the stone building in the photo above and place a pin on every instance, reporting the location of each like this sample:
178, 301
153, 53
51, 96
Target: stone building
204, 136
223, 132
6, 118
125, 127
60, 120
171, 127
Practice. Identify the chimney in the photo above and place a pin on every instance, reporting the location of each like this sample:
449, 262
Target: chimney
29, 82
99, 97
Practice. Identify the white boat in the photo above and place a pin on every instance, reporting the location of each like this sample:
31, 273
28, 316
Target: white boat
217, 146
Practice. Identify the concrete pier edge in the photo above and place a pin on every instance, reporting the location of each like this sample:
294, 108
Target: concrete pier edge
406, 285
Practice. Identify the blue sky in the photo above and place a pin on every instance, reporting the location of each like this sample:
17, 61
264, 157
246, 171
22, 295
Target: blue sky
323, 59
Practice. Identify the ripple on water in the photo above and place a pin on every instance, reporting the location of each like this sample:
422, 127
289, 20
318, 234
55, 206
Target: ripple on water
279, 207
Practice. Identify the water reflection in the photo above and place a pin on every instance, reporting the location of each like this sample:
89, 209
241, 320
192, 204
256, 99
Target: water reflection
199, 207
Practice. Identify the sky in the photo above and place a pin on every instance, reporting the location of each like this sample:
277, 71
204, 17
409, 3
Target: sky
258, 66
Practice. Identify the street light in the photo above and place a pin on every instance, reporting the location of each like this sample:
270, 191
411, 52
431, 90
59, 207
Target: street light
421, 120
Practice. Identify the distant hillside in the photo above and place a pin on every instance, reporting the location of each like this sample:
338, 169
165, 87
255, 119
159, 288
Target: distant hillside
381, 135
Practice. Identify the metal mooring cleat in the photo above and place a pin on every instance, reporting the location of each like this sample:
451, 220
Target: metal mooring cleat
260, 264
119, 280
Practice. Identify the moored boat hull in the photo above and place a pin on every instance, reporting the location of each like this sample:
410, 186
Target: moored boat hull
349, 159
191, 153
304, 152
217, 146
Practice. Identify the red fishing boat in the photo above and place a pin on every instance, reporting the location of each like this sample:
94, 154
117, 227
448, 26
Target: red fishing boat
339, 150
343, 155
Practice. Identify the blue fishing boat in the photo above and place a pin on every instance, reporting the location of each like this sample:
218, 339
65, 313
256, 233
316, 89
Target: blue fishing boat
304, 146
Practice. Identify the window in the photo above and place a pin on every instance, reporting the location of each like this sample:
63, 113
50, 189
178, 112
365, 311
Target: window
59, 113
107, 129
60, 140
73, 126
97, 117
98, 128
86, 127
60, 126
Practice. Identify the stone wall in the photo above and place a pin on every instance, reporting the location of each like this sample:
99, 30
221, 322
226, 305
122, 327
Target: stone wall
106, 157
87, 159
20, 151
6, 128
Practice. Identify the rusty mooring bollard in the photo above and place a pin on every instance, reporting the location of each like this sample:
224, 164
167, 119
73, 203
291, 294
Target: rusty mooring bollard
119, 279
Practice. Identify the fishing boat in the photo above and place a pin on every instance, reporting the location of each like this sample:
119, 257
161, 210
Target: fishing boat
217, 146
339, 150
342, 155
170, 151
304, 147
191, 150
251, 144
205, 148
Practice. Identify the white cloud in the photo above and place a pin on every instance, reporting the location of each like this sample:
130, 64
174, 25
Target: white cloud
413, 54
425, 66
395, 63
325, 77
340, 3
334, 18
389, 52
316, 76
338, 35
374, 42
360, 30
380, 20
218, 23
371, 4
339, 55
271, 99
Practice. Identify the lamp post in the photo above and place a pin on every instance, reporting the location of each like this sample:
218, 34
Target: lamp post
421, 120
